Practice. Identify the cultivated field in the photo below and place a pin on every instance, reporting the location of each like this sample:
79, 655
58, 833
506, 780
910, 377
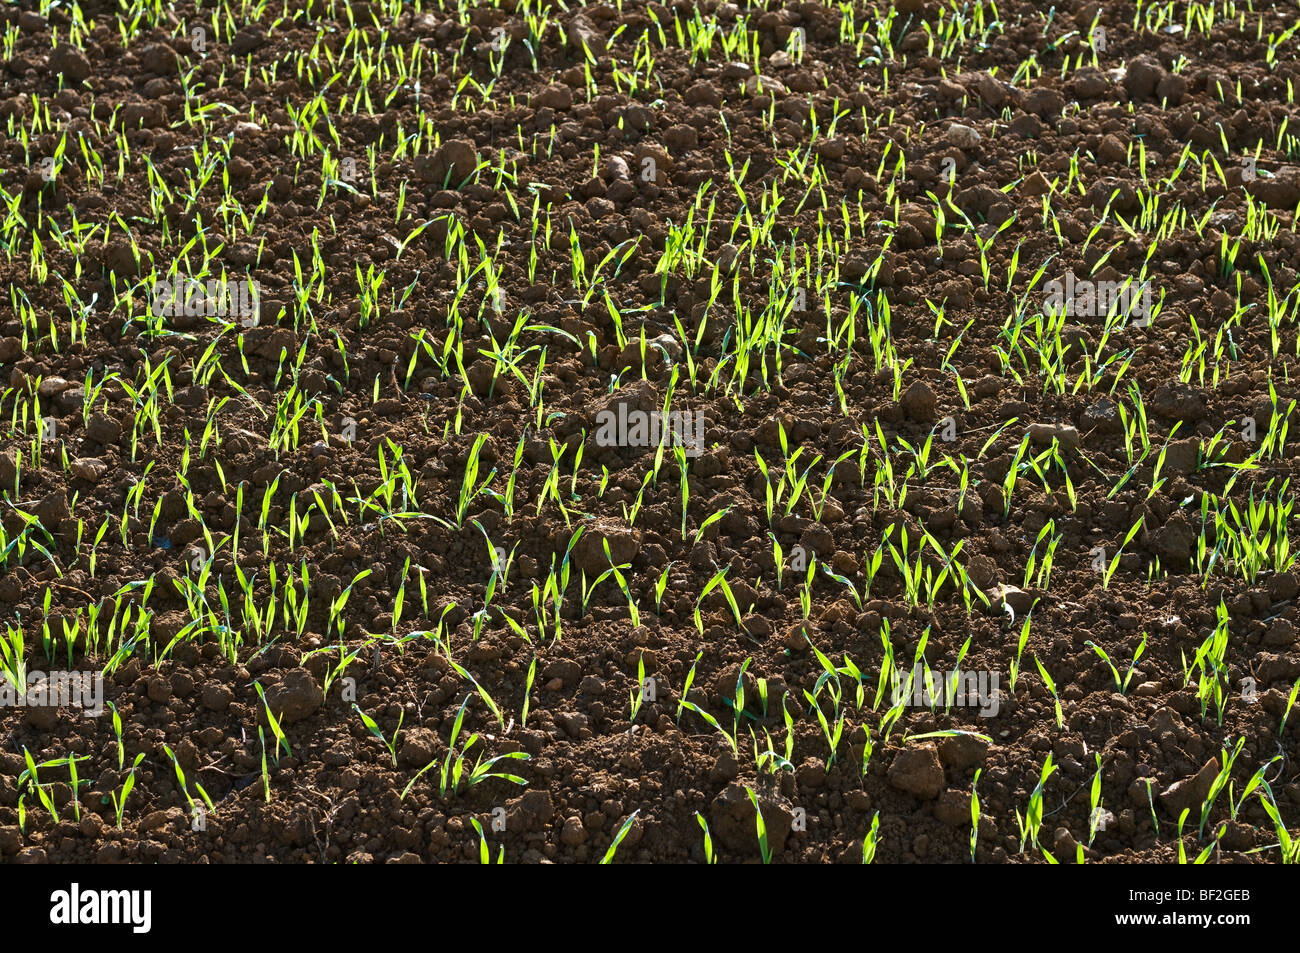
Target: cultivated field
534, 431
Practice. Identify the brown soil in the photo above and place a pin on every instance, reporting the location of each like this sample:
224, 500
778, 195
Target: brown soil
189, 682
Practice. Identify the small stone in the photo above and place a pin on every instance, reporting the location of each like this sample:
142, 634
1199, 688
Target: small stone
90, 469
1064, 844
727, 255
1019, 600
760, 84
616, 169
963, 137
52, 387
671, 347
